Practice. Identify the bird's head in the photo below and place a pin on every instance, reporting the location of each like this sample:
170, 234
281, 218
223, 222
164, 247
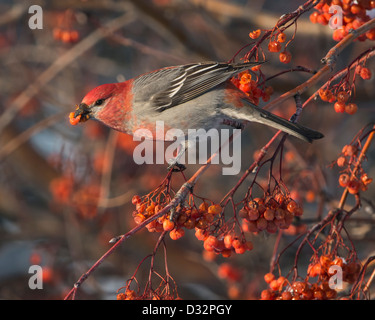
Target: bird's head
94, 102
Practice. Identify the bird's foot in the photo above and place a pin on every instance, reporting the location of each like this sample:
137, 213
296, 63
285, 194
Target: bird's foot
175, 166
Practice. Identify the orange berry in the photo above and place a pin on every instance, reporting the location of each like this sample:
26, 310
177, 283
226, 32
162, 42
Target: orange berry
285, 57
201, 234
341, 161
253, 214
255, 34
292, 206
351, 108
281, 37
228, 239
136, 199
339, 34
310, 196
176, 234
261, 224
214, 209
370, 34
266, 295
314, 17
339, 107
241, 249
74, 36
269, 214
286, 295
236, 243
269, 277
168, 225
314, 270
65, 36
274, 285
353, 186
344, 180
245, 87
321, 19
74, 120
56, 33
325, 94
274, 46
365, 73
342, 97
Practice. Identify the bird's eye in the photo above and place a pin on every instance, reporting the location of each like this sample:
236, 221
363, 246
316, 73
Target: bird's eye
99, 102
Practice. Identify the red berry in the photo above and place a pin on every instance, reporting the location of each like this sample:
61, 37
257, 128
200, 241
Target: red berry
274, 46
341, 161
351, 108
269, 277
255, 34
353, 186
285, 57
365, 73
342, 97
339, 107
281, 37
344, 180
168, 225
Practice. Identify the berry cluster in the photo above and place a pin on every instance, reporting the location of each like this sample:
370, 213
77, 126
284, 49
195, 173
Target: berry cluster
354, 14
320, 268
64, 30
269, 213
66, 36
187, 217
275, 44
127, 295
281, 289
354, 183
246, 84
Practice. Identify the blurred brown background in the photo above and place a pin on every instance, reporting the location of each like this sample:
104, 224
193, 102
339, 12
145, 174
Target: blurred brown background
48, 168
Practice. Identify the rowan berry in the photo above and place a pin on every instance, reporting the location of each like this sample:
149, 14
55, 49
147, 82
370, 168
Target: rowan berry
339, 107
341, 161
344, 180
228, 239
269, 214
253, 214
325, 94
314, 17
236, 243
286, 295
266, 295
365, 73
261, 224
74, 120
269, 277
168, 225
274, 46
285, 57
201, 234
342, 97
255, 34
351, 108
176, 234
281, 37
353, 186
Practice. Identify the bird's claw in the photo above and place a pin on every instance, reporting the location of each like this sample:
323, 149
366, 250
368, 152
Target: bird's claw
175, 166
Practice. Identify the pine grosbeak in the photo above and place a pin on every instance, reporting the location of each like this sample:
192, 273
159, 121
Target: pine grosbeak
192, 96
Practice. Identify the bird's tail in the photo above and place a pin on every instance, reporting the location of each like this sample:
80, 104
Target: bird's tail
256, 114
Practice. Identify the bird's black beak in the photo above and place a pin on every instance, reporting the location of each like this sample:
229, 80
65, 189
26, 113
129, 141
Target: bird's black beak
84, 111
